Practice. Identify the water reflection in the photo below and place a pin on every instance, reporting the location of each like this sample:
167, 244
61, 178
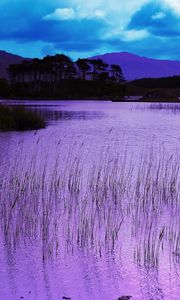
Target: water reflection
53, 115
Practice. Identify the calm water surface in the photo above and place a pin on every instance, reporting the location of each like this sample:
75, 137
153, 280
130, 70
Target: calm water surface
82, 214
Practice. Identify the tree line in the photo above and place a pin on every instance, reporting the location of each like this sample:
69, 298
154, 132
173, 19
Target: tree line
59, 77
61, 67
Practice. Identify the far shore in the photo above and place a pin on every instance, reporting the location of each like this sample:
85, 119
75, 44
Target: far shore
125, 99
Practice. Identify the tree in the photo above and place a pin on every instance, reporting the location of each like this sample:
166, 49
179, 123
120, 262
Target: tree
117, 74
83, 68
104, 76
98, 67
62, 63
5, 88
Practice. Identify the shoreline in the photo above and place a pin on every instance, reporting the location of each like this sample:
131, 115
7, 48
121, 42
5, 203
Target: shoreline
118, 100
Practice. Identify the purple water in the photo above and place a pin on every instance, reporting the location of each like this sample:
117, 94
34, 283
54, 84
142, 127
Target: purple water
90, 206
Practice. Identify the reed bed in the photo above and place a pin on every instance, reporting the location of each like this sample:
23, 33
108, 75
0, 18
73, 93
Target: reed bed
174, 107
73, 202
168, 108
19, 119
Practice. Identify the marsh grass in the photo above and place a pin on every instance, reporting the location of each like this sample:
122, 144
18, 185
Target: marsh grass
168, 108
19, 119
175, 107
96, 205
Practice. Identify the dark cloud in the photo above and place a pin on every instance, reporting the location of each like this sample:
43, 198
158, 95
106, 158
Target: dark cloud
157, 19
72, 35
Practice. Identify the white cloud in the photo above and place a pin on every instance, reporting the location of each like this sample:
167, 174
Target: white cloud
99, 13
89, 14
126, 35
134, 35
158, 16
173, 4
117, 12
72, 14
61, 14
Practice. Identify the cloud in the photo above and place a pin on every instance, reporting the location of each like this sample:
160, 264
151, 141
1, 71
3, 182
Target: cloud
157, 19
98, 13
158, 15
61, 14
71, 14
87, 27
173, 4
134, 35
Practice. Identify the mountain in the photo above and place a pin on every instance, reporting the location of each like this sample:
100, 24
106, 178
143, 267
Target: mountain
135, 67
6, 59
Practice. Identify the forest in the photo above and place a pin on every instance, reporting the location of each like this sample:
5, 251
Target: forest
59, 77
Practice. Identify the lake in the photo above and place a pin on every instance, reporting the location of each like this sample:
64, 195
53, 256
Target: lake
90, 205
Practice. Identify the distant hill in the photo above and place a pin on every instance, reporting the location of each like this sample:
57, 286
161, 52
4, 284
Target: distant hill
136, 67
6, 59
163, 82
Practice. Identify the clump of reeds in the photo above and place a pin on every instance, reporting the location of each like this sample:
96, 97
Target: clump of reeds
169, 108
13, 118
173, 107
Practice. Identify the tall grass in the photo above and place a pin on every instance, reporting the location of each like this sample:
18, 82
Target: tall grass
95, 205
19, 119
169, 108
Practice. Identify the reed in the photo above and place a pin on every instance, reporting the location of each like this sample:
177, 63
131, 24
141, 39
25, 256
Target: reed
19, 119
95, 205
167, 108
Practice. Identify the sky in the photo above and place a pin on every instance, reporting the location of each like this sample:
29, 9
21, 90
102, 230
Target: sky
83, 28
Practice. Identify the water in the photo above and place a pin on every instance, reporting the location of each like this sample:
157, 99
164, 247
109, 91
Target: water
90, 205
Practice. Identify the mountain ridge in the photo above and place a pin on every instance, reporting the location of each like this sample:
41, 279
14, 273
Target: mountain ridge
133, 66
6, 59
137, 67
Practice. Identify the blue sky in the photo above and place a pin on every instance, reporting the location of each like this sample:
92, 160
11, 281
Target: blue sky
81, 28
